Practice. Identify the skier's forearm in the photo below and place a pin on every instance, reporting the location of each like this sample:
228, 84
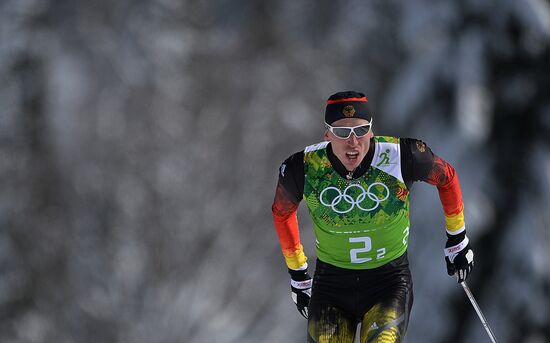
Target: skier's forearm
444, 177
289, 237
286, 224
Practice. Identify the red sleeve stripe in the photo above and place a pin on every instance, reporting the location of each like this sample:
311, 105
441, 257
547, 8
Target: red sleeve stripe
286, 225
363, 99
444, 177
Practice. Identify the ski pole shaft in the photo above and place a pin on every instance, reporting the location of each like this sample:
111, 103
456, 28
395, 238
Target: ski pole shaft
478, 311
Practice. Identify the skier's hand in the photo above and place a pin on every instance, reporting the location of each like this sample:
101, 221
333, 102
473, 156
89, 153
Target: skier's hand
459, 256
300, 286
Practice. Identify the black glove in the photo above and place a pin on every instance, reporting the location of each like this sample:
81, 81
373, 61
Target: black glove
459, 256
300, 286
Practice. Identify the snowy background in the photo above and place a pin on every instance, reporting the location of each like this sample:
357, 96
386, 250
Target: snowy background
140, 141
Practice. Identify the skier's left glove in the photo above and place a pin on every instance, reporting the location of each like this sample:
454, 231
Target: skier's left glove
300, 286
459, 256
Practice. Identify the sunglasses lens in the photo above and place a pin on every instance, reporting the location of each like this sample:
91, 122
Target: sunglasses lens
341, 132
362, 130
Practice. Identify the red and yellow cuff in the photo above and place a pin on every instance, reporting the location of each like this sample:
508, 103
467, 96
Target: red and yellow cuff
295, 259
455, 223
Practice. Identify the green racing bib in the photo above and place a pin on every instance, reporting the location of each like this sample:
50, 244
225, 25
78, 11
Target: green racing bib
361, 223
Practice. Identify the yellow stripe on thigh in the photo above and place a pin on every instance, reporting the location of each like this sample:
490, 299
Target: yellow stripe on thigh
382, 324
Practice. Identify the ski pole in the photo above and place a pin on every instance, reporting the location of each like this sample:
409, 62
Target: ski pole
478, 310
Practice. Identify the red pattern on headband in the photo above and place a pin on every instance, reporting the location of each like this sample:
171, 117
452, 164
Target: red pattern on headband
363, 99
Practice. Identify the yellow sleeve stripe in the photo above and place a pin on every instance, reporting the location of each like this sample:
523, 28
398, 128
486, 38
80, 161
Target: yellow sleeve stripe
295, 259
454, 222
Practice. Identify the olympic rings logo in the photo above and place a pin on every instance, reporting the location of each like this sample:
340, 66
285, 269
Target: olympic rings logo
354, 202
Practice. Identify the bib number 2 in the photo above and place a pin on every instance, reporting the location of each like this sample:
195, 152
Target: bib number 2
367, 247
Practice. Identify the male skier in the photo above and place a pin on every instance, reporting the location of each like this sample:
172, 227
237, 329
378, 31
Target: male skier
356, 187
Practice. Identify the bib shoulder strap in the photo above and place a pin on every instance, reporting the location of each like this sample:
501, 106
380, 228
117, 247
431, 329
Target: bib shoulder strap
387, 156
314, 147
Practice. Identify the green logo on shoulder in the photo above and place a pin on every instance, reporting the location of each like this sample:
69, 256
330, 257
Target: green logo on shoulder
384, 158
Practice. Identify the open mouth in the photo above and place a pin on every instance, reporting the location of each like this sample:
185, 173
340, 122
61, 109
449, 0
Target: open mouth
352, 155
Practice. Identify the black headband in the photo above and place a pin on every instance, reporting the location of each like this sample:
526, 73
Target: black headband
356, 107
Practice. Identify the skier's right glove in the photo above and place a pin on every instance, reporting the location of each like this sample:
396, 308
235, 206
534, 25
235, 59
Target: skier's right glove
459, 256
300, 286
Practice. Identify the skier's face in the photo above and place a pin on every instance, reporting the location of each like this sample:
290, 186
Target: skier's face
352, 150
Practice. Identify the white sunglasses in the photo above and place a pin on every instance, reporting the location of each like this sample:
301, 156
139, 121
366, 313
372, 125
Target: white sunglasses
344, 132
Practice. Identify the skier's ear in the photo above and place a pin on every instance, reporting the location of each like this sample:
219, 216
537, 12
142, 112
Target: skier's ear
326, 135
